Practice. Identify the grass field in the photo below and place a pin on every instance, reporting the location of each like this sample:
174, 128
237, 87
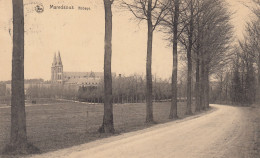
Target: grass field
60, 125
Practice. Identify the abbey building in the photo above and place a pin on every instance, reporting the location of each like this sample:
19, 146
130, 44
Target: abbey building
58, 76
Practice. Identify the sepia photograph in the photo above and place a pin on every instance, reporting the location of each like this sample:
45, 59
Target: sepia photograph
129, 78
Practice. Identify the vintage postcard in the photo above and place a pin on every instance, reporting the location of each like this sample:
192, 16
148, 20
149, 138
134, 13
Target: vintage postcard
130, 78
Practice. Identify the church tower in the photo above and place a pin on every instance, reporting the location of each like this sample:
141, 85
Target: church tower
53, 69
57, 70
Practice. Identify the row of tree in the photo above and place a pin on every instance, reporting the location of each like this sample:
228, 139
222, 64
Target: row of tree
250, 55
237, 84
240, 82
201, 29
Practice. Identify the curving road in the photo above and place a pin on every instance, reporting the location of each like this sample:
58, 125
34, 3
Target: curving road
225, 131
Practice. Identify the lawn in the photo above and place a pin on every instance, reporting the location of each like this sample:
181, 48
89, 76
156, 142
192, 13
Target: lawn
60, 125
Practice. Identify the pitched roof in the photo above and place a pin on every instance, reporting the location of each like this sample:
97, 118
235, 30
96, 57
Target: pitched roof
83, 74
59, 62
85, 81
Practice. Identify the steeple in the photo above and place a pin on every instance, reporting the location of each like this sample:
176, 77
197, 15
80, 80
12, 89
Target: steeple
59, 62
54, 60
57, 69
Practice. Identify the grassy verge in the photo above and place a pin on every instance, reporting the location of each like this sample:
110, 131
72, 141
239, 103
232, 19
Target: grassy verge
56, 126
255, 114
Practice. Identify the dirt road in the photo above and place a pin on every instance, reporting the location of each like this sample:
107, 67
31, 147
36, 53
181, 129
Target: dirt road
225, 132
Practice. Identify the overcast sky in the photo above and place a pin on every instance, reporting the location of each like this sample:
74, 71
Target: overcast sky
79, 36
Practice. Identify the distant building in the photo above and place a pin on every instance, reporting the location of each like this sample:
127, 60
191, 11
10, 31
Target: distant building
58, 76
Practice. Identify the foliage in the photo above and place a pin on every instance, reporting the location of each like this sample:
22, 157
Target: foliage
237, 85
129, 89
51, 91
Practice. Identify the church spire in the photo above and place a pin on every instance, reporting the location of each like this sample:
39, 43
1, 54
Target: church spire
54, 60
59, 62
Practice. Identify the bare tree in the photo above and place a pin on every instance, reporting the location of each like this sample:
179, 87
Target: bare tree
179, 26
18, 142
202, 21
153, 13
217, 35
170, 26
108, 123
197, 47
174, 21
252, 36
189, 57
199, 9
187, 40
248, 73
251, 45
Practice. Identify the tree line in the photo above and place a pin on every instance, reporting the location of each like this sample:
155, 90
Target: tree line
126, 89
129, 89
239, 83
199, 28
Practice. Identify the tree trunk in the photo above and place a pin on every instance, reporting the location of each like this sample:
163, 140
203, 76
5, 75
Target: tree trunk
206, 87
18, 140
173, 112
108, 124
197, 86
202, 73
221, 87
189, 78
226, 96
18, 116
149, 84
258, 87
